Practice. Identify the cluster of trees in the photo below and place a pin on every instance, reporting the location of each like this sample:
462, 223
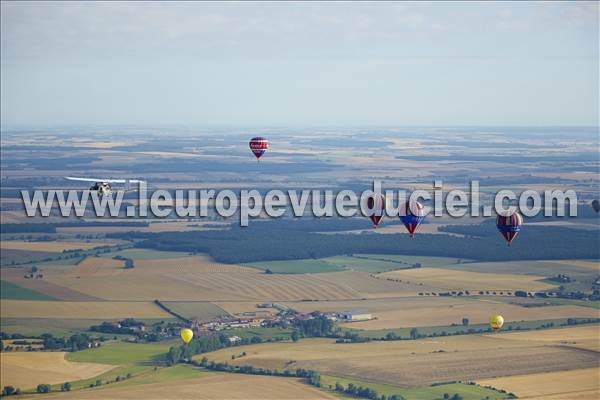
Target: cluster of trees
119, 378
481, 243
128, 261
78, 341
33, 228
43, 388
206, 344
10, 390
315, 327
203, 344
109, 327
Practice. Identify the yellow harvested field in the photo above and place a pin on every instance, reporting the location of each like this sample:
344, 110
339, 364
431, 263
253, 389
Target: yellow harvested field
95, 266
26, 369
447, 279
193, 278
575, 384
171, 226
416, 362
56, 246
593, 265
369, 286
583, 337
438, 311
236, 307
80, 309
214, 387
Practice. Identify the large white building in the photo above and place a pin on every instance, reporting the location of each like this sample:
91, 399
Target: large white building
355, 316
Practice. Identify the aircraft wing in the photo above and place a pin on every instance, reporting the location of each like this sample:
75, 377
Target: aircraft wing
71, 178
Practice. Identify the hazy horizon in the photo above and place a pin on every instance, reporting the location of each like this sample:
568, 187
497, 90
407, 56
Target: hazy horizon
300, 64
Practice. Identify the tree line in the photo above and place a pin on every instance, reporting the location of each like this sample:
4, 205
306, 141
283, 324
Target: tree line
481, 242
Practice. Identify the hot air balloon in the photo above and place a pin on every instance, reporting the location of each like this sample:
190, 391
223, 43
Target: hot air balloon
186, 335
375, 205
411, 215
596, 205
496, 322
259, 145
509, 226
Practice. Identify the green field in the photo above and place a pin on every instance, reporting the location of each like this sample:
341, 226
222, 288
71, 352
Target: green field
15, 257
9, 290
123, 353
468, 392
54, 326
308, 266
200, 310
264, 333
404, 333
58, 326
140, 360
530, 267
145, 254
165, 374
373, 263
570, 302
409, 261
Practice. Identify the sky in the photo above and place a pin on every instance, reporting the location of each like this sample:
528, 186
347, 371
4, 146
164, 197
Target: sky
300, 63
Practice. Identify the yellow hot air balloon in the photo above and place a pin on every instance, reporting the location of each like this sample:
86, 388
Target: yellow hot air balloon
496, 322
186, 335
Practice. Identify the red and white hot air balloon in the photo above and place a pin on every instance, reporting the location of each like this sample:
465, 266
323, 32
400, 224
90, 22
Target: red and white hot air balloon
259, 145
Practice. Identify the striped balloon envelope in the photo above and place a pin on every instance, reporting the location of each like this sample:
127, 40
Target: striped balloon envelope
411, 215
259, 145
509, 226
375, 206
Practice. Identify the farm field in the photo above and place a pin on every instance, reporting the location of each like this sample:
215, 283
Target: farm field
468, 392
416, 363
11, 256
236, 307
594, 265
51, 246
196, 310
171, 226
55, 326
84, 309
543, 268
26, 369
581, 384
437, 311
364, 264
145, 254
583, 337
452, 329
446, 279
43, 286
11, 291
191, 278
370, 286
213, 386
410, 260
121, 353
296, 266
478, 312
